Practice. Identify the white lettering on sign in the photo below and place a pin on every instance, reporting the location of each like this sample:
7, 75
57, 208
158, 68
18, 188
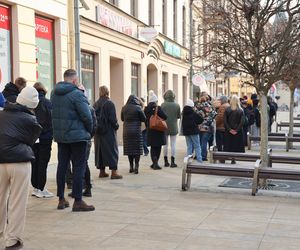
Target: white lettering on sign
3, 18
41, 28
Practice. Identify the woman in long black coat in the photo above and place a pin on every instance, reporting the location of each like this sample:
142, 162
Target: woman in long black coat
106, 145
155, 138
132, 115
233, 122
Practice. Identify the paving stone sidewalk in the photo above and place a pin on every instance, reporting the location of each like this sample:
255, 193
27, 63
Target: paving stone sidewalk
149, 211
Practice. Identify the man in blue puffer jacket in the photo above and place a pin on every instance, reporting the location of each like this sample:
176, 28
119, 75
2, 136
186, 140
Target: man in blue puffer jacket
72, 127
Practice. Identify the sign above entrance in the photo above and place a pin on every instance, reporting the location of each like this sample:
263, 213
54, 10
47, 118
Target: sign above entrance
148, 33
172, 49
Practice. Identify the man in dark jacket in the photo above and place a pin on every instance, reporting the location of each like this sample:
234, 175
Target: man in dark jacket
19, 130
72, 127
172, 110
12, 90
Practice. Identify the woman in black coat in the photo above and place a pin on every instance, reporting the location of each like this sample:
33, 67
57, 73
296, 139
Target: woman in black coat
233, 122
105, 139
132, 115
155, 138
42, 149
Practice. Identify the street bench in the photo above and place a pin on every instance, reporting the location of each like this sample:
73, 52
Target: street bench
276, 137
285, 125
255, 172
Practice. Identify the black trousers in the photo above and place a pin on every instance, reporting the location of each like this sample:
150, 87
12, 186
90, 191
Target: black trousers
134, 158
220, 140
42, 153
155, 154
77, 153
87, 175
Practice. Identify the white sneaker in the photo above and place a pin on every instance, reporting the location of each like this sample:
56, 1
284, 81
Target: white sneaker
34, 192
47, 194
39, 194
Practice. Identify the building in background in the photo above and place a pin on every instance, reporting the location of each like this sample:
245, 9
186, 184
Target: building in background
33, 41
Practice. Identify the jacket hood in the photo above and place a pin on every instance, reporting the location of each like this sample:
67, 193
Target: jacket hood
63, 88
187, 110
16, 107
169, 96
11, 89
132, 99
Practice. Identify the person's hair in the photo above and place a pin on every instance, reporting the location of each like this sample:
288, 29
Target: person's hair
223, 99
40, 87
255, 102
69, 73
103, 91
235, 103
20, 82
203, 99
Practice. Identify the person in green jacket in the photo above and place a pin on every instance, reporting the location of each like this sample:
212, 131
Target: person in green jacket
172, 110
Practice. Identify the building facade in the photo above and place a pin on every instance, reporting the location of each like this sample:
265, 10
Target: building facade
33, 41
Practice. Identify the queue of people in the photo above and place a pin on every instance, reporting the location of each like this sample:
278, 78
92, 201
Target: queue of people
30, 122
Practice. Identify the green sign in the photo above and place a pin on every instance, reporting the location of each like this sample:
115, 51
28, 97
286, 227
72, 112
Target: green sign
172, 49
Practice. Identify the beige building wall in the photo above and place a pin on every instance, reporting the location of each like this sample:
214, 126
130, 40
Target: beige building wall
23, 44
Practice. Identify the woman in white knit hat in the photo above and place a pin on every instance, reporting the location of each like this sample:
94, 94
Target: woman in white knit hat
19, 130
155, 139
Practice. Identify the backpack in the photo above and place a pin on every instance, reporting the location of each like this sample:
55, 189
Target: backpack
101, 120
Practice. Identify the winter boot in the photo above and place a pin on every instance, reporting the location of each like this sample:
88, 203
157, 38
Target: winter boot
87, 192
131, 168
173, 164
155, 164
81, 206
62, 204
167, 164
103, 174
136, 169
115, 175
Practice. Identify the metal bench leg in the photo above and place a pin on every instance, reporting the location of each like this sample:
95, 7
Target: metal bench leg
183, 181
188, 181
287, 144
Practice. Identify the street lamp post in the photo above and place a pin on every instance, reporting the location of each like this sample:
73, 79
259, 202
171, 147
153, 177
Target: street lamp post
191, 50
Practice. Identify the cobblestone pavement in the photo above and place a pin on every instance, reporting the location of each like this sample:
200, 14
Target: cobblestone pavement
149, 211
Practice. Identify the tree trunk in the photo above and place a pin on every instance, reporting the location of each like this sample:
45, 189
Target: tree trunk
291, 125
264, 129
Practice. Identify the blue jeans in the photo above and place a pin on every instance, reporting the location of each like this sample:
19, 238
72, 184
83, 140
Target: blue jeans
146, 150
193, 143
204, 139
76, 152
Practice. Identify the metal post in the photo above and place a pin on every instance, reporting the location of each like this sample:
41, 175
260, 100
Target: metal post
77, 38
191, 50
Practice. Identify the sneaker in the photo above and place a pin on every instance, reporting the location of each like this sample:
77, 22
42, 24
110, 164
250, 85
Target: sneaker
47, 194
34, 192
16, 246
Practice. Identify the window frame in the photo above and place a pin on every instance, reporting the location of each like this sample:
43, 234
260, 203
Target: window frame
84, 52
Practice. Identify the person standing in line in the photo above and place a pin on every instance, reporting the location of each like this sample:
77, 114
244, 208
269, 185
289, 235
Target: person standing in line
2, 101
190, 129
19, 130
42, 148
233, 122
155, 139
172, 110
106, 144
220, 129
72, 127
144, 130
12, 90
132, 115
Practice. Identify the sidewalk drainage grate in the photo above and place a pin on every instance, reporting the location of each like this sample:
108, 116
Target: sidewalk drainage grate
277, 185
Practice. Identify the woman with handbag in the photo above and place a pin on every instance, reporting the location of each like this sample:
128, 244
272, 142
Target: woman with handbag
155, 133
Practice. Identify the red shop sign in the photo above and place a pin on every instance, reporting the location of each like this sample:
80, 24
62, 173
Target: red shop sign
43, 28
4, 18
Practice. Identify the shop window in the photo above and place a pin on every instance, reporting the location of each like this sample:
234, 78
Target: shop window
5, 48
45, 52
134, 8
88, 75
164, 17
175, 19
135, 79
114, 2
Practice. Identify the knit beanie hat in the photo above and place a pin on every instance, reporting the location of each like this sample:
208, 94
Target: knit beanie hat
2, 100
28, 97
152, 96
190, 103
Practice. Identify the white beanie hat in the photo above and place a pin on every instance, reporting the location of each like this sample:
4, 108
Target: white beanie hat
190, 103
28, 97
152, 97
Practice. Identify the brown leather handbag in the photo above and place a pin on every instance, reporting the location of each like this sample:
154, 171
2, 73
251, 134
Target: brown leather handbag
157, 123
